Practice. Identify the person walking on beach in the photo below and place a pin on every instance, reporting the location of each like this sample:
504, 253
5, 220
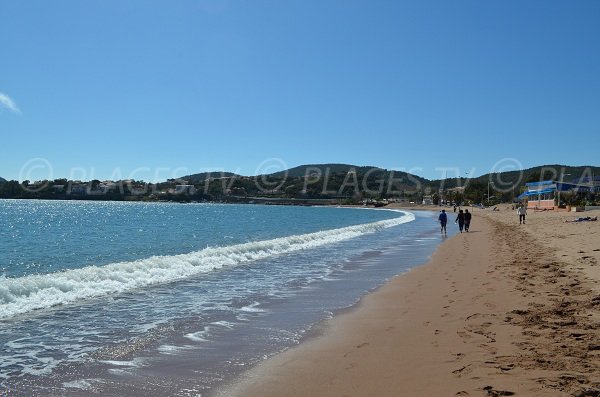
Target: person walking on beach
460, 219
467, 220
443, 218
522, 211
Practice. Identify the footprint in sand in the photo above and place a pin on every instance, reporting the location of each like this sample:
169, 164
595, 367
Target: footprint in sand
497, 393
507, 367
462, 371
474, 316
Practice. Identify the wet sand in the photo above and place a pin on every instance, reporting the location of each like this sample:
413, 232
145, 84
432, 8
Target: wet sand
506, 309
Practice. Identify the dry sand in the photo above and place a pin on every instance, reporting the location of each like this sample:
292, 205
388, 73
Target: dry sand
503, 310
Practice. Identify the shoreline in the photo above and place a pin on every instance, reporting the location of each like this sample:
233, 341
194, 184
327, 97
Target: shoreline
192, 366
479, 318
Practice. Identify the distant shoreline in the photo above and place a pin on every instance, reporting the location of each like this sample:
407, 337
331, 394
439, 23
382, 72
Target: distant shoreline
320, 184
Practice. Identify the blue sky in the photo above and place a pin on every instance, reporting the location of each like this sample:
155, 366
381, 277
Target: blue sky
156, 89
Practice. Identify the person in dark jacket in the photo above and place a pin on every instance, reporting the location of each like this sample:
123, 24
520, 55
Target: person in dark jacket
460, 219
467, 220
443, 218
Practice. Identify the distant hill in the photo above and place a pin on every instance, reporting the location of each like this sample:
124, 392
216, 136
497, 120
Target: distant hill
202, 176
2, 179
301, 170
341, 183
334, 168
555, 172
315, 181
519, 178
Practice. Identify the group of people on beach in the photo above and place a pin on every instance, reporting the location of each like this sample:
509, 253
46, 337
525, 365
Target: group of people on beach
463, 219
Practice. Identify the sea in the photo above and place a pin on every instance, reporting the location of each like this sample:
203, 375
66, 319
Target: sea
169, 299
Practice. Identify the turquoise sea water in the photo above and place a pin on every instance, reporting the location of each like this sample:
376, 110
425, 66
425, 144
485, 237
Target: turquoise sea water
97, 295
41, 237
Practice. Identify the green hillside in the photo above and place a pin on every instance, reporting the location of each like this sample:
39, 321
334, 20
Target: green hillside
332, 168
555, 172
340, 183
203, 176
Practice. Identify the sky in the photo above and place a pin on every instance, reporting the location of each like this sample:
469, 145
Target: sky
152, 90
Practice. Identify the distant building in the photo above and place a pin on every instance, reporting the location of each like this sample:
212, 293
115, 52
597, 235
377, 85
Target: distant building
427, 200
593, 182
77, 190
546, 194
107, 186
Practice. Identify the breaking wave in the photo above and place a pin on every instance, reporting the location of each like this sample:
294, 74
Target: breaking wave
34, 292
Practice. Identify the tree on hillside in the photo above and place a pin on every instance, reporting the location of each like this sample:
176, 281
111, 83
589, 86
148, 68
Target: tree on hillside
543, 174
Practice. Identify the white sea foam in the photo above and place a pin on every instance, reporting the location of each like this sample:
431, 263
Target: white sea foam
81, 384
224, 324
171, 349
135, 363
44, 366
34, 292
253, 308
199, 336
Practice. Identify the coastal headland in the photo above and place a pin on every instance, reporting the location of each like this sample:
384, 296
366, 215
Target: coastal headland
505, 309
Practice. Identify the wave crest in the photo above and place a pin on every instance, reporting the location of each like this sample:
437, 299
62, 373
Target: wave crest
34, 292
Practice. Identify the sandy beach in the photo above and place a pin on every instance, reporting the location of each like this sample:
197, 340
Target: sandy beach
505, 309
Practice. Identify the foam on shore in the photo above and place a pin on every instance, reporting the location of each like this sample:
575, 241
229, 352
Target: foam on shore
35, 292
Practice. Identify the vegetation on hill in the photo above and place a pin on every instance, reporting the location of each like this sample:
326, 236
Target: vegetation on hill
342, 183
505, 186
203, 176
